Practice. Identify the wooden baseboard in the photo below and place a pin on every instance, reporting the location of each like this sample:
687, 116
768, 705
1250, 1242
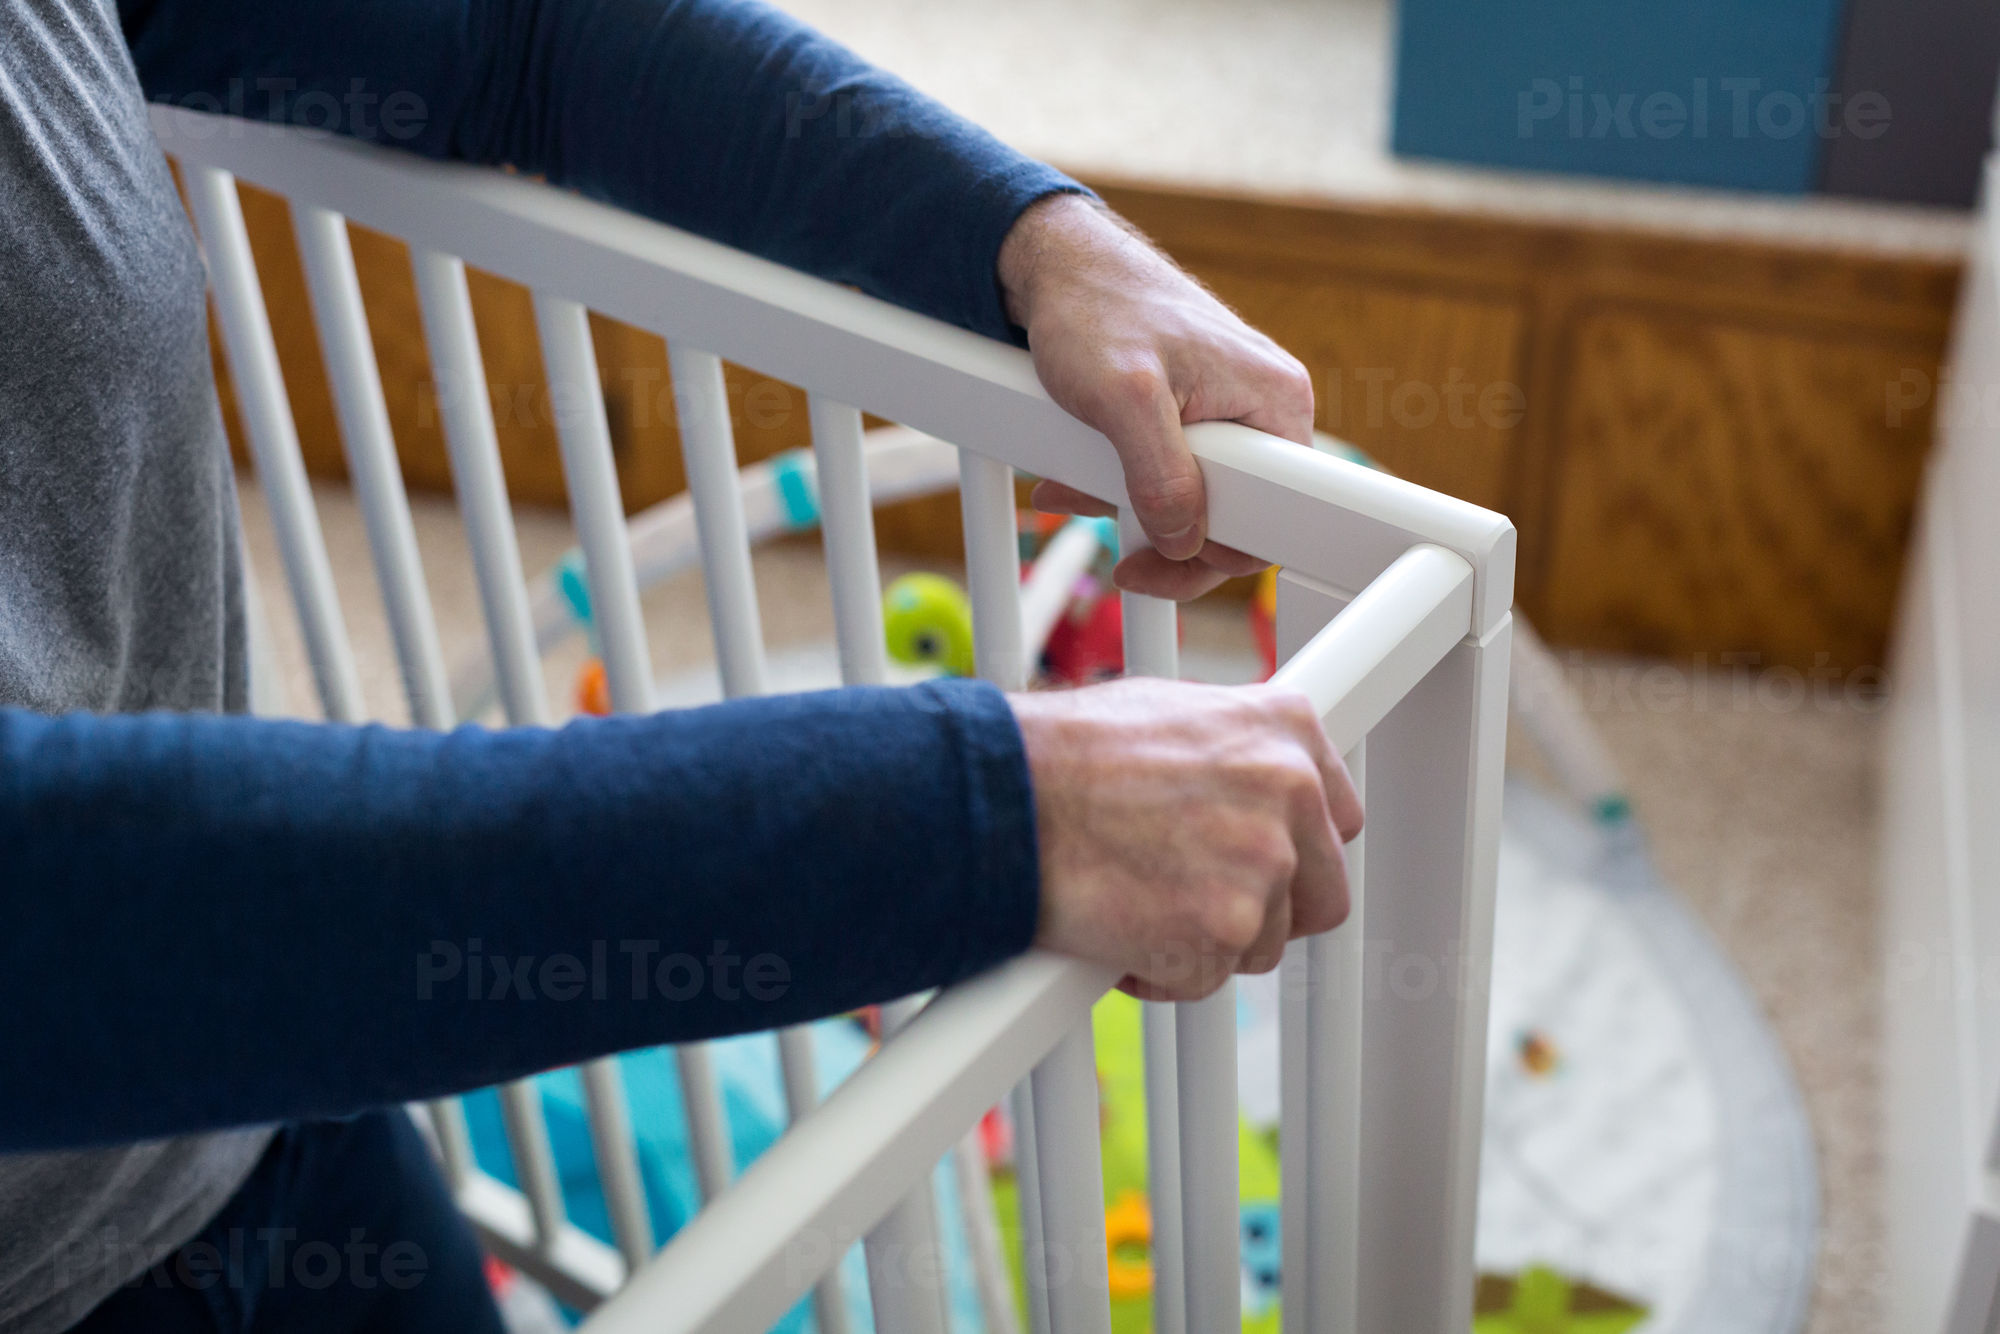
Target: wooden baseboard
1709, 445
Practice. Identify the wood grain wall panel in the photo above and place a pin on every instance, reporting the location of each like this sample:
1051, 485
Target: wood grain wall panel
1726, 487
1767, 364
1425, 381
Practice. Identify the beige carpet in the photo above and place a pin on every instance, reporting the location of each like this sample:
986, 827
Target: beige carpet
1761, 814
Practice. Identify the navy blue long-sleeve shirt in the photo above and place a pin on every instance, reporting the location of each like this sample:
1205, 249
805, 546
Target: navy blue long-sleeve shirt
254, 920
214, 920
725, 117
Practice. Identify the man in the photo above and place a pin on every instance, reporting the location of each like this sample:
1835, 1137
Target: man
222, 931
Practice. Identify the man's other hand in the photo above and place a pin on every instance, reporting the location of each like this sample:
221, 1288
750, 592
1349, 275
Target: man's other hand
1186, 831
1126, 341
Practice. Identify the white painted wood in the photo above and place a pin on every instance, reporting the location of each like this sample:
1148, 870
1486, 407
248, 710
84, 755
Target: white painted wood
1028, 1186
1974, 1294
993, 570
903, 1253
466, 410
1319, 1138
584, 437
377, 478
847, 528
274, 439
534, 1163
1211, 1218
755, 1251
1940, 849
708, 450
906, 1278
1072, 1196
982, 1229
578, 1268
1434, 770
372, 467
1266, 496
1152, 648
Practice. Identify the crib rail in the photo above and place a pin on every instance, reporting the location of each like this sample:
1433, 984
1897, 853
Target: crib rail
1393, 616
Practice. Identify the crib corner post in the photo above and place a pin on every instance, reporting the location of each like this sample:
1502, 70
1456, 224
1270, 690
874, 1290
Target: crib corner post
1434, 785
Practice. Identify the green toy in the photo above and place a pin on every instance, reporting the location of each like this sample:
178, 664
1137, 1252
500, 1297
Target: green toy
927, 620
1544, 1302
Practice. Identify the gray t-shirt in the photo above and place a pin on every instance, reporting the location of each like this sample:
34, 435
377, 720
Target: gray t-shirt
120, 583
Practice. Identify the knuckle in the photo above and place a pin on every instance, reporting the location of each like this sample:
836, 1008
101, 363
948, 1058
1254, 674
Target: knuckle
1134, 386
1297, 778
1170, 492
1294, 384
1233, 922
1291, 707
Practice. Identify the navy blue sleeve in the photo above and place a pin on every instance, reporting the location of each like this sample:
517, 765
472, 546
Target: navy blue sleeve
725, 117
221, 920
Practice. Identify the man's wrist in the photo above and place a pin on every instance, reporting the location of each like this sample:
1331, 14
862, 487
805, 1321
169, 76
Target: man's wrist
1049, 229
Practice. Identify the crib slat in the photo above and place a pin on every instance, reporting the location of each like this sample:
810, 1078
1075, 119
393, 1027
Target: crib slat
799, 1070
274, 439
1296, 1140
982, 1237
1210, 1217
1205, 1041
1319, 1136
1338, 1000
534, 1161
708, 452
385, 511
460, 377
1152, 648
1201, 1241
371, 459
905, 1243
585, 440
847, 529
993, 578
905, 1261
992, 569
466, 409
1072, 1172
1028, 1185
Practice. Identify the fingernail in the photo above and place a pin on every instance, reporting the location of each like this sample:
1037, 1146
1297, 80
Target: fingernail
1184, 535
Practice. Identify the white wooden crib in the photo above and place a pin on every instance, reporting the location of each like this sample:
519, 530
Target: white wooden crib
1393, 614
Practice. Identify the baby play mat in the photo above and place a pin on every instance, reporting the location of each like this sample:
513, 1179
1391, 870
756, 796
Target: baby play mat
1647, 1163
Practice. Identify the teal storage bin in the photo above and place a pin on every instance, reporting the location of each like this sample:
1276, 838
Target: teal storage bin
1736, 94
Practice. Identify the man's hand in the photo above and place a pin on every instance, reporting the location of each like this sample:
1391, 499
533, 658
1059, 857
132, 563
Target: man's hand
1130, 344
1187, 831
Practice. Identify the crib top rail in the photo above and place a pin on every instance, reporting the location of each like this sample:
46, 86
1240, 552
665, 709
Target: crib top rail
977, 393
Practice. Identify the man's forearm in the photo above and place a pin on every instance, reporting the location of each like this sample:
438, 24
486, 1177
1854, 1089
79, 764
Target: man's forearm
215, 921
725, 117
